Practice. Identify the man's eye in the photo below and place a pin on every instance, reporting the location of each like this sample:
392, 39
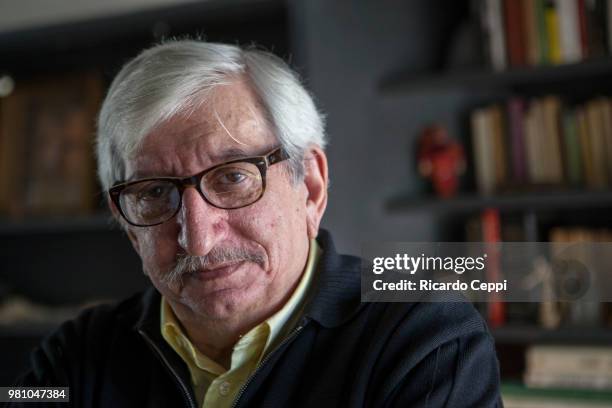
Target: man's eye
234, 177
154, 192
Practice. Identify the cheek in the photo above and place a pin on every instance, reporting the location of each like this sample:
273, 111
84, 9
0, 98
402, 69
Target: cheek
157, 250
277, 223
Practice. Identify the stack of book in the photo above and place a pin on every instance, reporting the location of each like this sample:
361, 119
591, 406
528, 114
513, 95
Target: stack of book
535, 32
542, 142
46, 145
579, 367
563, 376
518, 396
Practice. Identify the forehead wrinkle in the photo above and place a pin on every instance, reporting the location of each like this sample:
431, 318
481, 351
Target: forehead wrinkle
245, 104
225, 128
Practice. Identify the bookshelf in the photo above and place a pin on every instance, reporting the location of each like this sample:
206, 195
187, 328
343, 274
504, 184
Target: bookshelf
531, 334
532, 207
100, 221
568, 200
401, 83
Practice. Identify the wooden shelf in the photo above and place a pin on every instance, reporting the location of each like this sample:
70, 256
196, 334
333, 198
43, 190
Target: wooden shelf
407, 82
514, 334
57, 224
562, 200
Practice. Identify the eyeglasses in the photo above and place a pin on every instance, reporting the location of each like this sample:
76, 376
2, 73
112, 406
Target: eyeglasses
235, 184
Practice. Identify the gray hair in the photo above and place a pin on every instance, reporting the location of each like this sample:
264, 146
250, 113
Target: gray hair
171, 77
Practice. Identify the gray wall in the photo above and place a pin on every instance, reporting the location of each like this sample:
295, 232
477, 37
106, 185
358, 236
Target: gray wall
346, 47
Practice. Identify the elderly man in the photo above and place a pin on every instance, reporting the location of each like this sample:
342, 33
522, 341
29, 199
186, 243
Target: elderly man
214, 163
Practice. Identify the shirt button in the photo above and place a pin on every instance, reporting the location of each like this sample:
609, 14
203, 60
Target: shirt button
224, 388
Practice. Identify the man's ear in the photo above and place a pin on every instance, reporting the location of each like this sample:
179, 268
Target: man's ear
117, 216
315, 179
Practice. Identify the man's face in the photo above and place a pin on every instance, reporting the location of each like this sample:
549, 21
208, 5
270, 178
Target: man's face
275, 229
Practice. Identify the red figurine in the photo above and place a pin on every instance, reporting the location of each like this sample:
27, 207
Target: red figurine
440, 159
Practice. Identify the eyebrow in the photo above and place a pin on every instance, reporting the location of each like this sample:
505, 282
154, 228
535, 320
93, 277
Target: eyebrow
227, 155
230, 154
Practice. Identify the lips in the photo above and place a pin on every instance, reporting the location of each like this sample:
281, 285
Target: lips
221, 271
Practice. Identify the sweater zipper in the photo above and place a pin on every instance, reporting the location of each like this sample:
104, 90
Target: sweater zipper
263, 362
174, 374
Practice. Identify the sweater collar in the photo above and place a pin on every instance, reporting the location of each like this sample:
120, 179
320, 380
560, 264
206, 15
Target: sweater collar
335, 297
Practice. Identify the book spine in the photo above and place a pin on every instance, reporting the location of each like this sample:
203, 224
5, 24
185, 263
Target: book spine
532, 40
531, 144
573, 159
606, 115
609, 25
540, 12
597, 138
552, 107
551, 19
516, 111
595, 18
586, 151
569, 30
542, 380
491, 226
500, 147
584, 33
570, 359
515, 32
483, 151
494, 27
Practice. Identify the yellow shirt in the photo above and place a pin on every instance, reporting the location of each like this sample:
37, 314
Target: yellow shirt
214, 386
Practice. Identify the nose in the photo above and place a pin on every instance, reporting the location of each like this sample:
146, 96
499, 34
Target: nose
201, 225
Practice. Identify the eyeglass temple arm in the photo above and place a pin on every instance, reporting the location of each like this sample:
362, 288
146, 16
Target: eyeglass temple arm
277, 156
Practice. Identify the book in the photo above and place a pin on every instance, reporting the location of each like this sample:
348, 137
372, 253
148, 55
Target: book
606, 118
47, 144
491, 233
551, 21
4, 169
584, 33
515, 32
609, 24
532, 38
500, 147
483, 151
572, 148
595, 26
516, 127
537, 138
569, 360
493, 23
540, 13
585, 147
551, 106
569, 30
597, 143
515, 395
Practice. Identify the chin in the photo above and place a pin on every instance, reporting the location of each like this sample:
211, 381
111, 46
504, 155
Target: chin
223, 304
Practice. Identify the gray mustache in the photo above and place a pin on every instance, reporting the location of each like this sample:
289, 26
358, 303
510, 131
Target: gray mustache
186, 264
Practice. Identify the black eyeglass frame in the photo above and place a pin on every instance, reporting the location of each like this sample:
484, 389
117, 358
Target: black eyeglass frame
261, 162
